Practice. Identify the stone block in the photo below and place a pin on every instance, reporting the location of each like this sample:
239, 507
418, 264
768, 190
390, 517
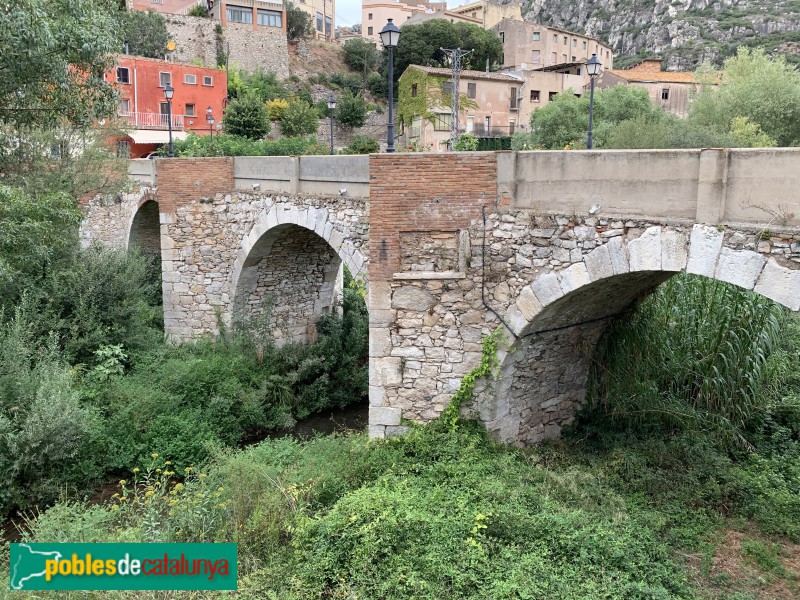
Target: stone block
528, 304
574, 277
388, 370
408, 352
377, 432
395, 430
384, 415
598, 263
409, 297
780, 284
379, 295
380, 342
644, 253
674, 252
704, 248
617, 253
739, 267
547, 288
377, 396
381, 318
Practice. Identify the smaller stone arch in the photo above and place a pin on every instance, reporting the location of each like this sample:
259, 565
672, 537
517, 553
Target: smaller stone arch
144, 227
559, 317
295, 230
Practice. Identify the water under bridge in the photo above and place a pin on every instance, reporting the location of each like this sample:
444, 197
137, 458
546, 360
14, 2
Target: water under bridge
550, 246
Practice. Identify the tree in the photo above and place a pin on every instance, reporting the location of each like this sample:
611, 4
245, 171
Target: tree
53, 54
299, 24
563, 122
299, 118
361, 55
351, 109
247, 116
421, 45
145, 32
765, 90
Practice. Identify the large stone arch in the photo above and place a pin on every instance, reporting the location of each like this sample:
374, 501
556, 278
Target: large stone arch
559, 317
144, 229
295, 254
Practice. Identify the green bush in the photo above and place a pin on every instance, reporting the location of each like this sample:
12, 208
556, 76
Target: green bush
229, 145
360, 55
198, 10
299, 118
361, 144
247, 116
347, 82
378, 85
299, 24
466, 142
351, 110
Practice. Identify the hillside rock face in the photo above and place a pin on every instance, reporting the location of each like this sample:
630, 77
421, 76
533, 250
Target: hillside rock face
685, 33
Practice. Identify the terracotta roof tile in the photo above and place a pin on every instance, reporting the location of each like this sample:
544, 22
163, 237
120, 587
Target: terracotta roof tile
654, 76
466, 73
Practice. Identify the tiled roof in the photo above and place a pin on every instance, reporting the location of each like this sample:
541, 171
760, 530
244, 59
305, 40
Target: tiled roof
466, 74
654, 76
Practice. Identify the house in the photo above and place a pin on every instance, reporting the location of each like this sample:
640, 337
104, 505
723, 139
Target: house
669, 89
448, 15
323, 17
489, 12
540, 86
143, 109
167, 7
255, 13
489, 105
534, 46
375, 14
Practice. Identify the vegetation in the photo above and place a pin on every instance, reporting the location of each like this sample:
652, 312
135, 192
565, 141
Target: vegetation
361, 144
351, 110
262, 84
230, 145
299, 24
145, 33
299, 118
247, 116
361, 56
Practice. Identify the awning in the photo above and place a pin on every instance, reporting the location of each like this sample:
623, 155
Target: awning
154, 136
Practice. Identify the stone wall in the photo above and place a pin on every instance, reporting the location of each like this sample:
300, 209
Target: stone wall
196, 38
107, 220
251, 48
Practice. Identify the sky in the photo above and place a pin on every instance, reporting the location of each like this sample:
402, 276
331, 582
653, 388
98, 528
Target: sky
348, 12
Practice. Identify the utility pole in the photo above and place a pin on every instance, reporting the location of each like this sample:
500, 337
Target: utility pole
455, 57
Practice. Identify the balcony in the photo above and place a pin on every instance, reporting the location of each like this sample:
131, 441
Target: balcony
479, 130
140, 120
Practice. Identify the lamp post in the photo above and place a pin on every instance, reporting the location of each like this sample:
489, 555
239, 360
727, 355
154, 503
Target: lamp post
390, 35
331, 108
210, 119
169, 92
593, 69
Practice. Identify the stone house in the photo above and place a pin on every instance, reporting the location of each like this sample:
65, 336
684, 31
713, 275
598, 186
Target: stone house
375, 14
489, 105
671, 90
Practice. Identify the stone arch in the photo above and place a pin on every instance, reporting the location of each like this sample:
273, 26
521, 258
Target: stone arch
144, 229
559, 317
286, 242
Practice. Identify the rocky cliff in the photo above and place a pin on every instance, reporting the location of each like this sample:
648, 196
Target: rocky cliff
684, 32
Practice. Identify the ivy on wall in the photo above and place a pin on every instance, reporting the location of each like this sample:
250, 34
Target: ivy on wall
430, 95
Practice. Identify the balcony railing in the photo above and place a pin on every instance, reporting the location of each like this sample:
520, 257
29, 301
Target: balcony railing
493, 131
141, 120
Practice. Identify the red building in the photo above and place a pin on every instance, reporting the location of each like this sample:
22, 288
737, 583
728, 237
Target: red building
143, 107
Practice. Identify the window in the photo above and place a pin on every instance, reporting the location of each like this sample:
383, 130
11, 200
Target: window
555, 38
190, 79
471, 90
607, 54
565, 40
585, 44
573, 58
123, 149
574, 43
487, 121
328, 25
563, 58
536, 36
470, 123
514, 105
207, 80
270, 18
156, 1
535, 95
441, 122
536, 57
124, 106
319, 21
447, 87
551, 96
123, 75
190, 110
369, 30
502, 37
554, 58
164, 79
665, 94
239, 14
413, 90
369, 17
512, 125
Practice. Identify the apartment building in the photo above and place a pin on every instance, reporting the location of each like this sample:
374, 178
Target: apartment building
255, 13
323, 17
671, 90
528, 46
142, 107
375, 14
489, 13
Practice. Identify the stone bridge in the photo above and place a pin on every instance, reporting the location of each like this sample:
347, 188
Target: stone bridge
550, 246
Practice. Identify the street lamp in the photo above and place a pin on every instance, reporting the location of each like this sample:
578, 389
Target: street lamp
210, 119
390, 35
593, 70
331, 108
169, 92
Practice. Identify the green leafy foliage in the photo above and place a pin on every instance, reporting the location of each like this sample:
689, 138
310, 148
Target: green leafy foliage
299, 118
145, 33
351, 109
247, 116
361, 55
260, 83
231, 145
466, 142
299, 24
361, 144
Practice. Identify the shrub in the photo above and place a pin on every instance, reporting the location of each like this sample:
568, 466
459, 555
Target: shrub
362, 144
276, 108
198, 10
229, 145
351, 110
360, 55
247, 116
347, 82
378, 85
299, 24
299, 118
466, 142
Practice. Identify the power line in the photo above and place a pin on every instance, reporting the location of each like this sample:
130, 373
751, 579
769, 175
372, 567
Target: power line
455, 56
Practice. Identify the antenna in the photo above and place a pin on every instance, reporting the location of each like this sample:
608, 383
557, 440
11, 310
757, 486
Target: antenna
455, 56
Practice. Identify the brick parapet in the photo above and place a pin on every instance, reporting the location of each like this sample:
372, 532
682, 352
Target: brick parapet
186, 180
